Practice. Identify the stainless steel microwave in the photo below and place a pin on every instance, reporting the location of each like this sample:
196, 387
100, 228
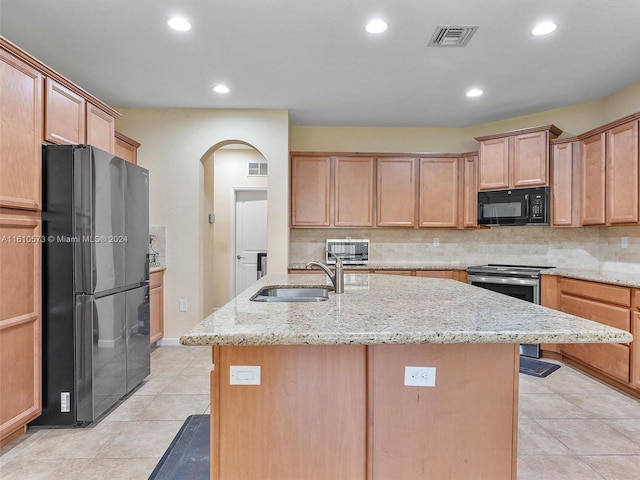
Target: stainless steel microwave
523, 206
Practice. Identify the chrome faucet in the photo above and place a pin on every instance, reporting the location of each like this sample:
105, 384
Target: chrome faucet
336, 278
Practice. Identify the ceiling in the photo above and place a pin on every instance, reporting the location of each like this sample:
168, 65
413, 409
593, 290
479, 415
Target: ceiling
314, 58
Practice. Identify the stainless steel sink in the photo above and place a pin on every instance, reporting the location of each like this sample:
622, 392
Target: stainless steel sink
292, 294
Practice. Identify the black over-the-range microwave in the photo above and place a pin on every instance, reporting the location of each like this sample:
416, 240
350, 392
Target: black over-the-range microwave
522, 206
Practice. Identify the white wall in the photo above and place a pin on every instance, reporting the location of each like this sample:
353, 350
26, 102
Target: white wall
174, 143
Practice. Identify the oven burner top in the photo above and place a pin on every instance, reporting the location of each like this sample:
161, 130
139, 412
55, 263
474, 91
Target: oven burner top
497, 270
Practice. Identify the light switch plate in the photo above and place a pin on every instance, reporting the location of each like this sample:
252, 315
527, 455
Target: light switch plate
244, 375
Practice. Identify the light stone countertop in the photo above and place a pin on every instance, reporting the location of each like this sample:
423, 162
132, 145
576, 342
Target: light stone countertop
379, 309
396, 266
626, 279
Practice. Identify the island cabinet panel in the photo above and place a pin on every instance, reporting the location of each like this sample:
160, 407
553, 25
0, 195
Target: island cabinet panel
306, 420
439, 185
493, 164
565, 186
396, 192
310, 191
100, 129
354, 191
458, 429
607, 304
20, 322
592, 164
622, 174
65, 115
20, 134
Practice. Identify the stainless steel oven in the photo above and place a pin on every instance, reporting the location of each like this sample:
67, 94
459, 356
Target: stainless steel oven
519, 281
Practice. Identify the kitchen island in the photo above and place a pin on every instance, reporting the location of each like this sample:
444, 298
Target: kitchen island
333, 401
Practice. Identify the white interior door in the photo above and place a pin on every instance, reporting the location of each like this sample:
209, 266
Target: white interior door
251, 235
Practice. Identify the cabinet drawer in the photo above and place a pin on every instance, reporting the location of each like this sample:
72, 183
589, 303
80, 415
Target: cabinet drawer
612, 315
597, 291
610, 358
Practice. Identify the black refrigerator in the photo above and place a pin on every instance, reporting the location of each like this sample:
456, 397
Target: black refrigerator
95, 282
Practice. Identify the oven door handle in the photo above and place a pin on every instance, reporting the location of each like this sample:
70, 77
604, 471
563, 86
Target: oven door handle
503, 280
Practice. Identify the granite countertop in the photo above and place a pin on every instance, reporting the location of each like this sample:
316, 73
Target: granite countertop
379, 309
159, 268
626, 279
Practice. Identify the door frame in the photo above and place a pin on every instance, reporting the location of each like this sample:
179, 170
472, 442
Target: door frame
232, 232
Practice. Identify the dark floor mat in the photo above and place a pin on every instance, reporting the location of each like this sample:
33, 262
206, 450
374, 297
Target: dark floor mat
537, 368
188, 455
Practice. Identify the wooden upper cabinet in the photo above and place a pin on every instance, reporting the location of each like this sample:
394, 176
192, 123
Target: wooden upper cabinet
100, 129
354, 179
20, 134
517, 159
564, 185
530, 160
439, 184
64, 115
493, 164
592, 164
396, 192
126, 148
469, 193
310, 191
622, 173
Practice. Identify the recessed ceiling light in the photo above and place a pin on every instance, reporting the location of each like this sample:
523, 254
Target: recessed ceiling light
544, 28
376, 26
474, 92
180, 24
221, 89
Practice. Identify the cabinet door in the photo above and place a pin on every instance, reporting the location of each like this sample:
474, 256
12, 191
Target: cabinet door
493, 164
635, 346
310, 191
592, 162
354, 191
20, 134
156, 307
622, 174
469, 195
20, 323
126, 148
100, 129
64, 115
530, 160
396, 194
438, 192
562, 187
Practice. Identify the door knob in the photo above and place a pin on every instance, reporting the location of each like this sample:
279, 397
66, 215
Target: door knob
239, 257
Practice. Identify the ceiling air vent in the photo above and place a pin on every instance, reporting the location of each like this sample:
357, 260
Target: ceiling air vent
452, 36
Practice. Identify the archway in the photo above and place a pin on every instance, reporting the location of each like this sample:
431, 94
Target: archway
228, 166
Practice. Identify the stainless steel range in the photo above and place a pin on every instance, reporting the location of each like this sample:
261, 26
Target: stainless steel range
519, 281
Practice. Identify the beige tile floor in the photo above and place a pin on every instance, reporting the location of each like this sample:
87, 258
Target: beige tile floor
571, 427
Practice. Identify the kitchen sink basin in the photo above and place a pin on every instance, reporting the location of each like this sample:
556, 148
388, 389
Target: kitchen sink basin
292, 294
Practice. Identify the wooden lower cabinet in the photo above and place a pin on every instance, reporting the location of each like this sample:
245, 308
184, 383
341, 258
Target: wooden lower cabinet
603, 303
343, 412
156, 306
20, 322
635, 346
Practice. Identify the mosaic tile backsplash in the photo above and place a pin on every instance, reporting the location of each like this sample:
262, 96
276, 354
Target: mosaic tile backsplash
592, 247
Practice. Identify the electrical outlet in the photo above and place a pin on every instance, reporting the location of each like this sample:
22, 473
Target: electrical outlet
624, 242
436, 242
182, 305
244, 375
419, 376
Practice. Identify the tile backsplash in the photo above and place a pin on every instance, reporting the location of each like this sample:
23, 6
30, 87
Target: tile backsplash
159, 243
593, 247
